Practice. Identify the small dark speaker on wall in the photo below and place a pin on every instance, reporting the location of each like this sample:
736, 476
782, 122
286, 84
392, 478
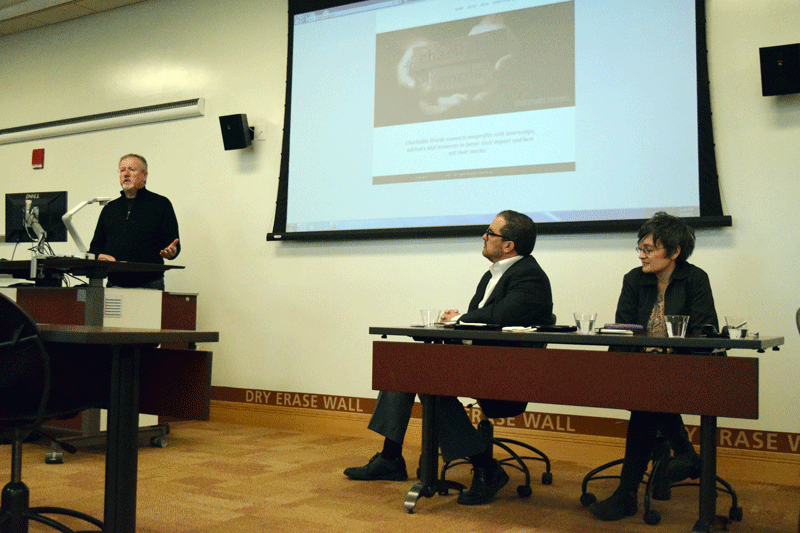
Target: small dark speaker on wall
236, 134
780, 69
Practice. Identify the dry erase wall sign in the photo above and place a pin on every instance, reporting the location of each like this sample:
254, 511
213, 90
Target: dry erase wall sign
37, 159
739, 439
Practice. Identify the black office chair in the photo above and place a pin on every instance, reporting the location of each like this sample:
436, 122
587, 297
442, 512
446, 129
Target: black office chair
502, 409
797, 316
656, 487
27, 399
505, 409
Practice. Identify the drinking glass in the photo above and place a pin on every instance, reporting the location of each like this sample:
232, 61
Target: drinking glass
430, 317
585, 322
676, 325
737, 326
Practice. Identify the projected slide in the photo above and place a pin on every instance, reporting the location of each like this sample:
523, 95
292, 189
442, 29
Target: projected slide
438, 113
479, 67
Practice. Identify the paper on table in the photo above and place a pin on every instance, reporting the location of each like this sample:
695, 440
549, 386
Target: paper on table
614, 331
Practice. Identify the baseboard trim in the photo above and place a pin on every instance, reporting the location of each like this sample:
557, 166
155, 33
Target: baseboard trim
587, 451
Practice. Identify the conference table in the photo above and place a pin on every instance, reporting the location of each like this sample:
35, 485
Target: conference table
125, 347
501, 365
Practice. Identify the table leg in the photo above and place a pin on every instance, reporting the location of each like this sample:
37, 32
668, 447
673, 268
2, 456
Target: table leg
708, 474
429, 482
429, 460
122, 448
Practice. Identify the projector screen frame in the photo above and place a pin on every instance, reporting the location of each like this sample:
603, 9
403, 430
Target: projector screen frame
711, 212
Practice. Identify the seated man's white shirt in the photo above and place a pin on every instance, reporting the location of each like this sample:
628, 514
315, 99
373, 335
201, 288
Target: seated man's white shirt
497, 269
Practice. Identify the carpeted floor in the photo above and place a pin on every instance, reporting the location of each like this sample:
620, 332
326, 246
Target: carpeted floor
223, 478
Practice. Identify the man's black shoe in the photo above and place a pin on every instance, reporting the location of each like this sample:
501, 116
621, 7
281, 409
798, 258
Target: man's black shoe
683, 467
485, 484
379, 468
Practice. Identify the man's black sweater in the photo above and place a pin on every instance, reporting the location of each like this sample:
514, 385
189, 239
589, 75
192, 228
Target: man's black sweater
136, 230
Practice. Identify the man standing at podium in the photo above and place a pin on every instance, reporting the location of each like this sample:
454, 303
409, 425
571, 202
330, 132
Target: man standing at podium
139, 227
514, 292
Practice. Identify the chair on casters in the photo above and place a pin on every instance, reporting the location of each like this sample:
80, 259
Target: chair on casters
27, 399
656, 485
655, 491
504, 409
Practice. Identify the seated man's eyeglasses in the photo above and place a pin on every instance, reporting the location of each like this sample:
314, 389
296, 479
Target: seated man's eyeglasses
490, 233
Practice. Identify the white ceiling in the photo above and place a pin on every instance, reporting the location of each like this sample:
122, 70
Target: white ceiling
22, 15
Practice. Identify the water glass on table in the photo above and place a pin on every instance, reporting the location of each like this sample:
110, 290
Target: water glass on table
430, 317
737, 326
585, 322
676, 325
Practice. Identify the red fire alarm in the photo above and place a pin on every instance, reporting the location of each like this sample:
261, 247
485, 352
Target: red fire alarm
37, 160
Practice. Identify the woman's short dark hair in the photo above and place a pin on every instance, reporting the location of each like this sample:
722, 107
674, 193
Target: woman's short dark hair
520, 230
671, 232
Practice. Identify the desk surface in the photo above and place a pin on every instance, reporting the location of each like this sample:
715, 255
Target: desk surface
698, 343
589, 378
119, 336
709, 386
124, 347
722, 386
91, 268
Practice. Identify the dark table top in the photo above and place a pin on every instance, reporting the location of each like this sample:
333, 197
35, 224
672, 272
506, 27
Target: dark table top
760, 343
118, 336
92, 268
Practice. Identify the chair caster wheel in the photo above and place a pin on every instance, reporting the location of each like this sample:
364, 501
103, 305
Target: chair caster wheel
588, 498
652, 517
524, 491
54, 458
158, 442
735, 514
547, 478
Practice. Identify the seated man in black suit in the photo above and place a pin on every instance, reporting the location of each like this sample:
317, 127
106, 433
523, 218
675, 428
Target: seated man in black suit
514, 292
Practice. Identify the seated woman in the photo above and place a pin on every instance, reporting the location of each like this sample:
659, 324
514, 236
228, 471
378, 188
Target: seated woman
665, 284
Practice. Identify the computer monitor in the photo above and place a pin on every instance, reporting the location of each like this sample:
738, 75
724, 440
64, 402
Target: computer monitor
46, 209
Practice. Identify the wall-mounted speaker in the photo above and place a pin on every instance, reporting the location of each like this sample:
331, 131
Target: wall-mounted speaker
780, 69
236, 134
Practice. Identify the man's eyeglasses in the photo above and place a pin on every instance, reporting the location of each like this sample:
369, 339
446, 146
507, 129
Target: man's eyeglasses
647, 251
490, 233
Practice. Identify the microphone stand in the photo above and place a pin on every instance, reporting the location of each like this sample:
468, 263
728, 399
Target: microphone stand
32, 223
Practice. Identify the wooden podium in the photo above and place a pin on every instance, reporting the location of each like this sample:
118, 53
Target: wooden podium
50, 271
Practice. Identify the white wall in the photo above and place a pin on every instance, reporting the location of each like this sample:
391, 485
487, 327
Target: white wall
294, 317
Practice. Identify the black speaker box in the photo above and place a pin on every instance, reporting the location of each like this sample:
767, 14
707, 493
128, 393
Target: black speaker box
780, 69
236, 133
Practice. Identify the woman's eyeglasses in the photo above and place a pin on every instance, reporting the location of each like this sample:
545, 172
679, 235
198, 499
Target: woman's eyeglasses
647, 251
